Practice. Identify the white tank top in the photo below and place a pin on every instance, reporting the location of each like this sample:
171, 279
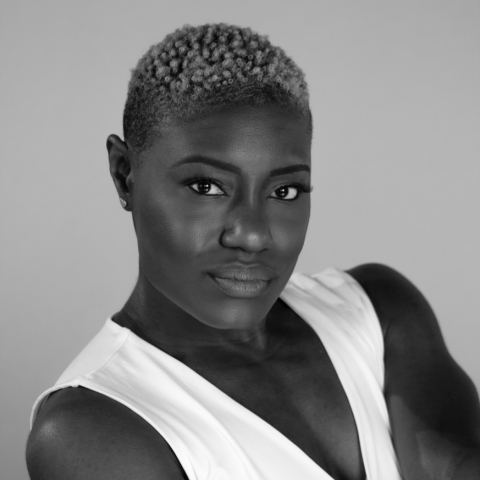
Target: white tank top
216, 438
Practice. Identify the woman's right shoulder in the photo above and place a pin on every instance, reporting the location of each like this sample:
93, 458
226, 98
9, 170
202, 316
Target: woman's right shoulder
83, 434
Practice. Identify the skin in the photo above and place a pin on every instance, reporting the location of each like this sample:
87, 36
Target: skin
236, 343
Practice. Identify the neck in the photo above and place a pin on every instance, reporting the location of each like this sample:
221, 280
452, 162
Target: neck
162, 323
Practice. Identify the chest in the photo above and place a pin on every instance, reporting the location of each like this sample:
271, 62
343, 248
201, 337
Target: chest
298, 392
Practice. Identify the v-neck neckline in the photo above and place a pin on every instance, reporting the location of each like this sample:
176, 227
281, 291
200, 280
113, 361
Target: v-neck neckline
235, 405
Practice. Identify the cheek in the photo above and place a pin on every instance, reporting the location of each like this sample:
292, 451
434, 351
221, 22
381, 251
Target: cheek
289, 229
172, 233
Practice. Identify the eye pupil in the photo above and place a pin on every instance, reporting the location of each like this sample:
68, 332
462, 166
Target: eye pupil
282, 192
204, 187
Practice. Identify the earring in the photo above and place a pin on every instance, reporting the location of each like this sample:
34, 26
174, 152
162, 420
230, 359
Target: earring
123, 203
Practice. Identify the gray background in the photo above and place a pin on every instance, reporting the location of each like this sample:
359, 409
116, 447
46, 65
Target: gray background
396, 102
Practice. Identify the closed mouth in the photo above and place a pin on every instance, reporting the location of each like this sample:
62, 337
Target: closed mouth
243, 282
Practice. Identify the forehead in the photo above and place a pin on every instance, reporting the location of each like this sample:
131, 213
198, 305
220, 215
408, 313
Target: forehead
241, 135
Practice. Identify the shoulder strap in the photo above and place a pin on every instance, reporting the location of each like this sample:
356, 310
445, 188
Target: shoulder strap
339, 311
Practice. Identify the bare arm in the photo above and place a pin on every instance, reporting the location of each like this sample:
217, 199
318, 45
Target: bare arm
433, 405
82, 435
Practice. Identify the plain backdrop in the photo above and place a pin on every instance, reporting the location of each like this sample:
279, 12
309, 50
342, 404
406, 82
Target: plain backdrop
395, 94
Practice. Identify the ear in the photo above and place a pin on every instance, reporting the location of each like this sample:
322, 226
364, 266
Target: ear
120, 168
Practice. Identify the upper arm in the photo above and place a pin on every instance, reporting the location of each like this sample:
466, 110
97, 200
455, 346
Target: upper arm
80, 435
433, 405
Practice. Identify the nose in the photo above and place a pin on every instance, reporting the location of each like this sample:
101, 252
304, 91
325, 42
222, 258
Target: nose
247, 230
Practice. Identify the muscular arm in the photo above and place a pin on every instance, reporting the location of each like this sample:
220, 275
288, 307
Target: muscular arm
82, 435
433, 406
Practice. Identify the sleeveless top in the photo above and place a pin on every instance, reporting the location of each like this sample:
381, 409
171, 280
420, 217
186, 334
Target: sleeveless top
216, 438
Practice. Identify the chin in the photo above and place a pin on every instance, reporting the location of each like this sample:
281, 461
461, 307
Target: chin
241, 314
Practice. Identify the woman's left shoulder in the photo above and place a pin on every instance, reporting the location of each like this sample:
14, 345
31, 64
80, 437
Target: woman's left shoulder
396, 300
433, 406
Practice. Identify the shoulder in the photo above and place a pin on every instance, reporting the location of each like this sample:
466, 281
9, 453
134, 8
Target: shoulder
82, 434
399, 304
412, 334
433, 405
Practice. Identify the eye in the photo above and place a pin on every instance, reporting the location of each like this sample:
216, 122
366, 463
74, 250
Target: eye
292, 191
205, 186
286, 192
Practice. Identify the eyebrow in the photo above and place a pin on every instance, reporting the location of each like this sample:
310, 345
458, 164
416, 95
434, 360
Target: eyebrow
222, 165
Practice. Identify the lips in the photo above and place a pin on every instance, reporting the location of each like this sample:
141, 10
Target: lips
242, 282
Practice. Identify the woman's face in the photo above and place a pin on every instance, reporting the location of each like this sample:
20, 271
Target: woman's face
221, 214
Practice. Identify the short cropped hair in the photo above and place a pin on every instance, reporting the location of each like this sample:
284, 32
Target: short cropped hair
198, 69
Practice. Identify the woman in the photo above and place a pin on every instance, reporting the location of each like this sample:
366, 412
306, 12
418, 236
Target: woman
223, 364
